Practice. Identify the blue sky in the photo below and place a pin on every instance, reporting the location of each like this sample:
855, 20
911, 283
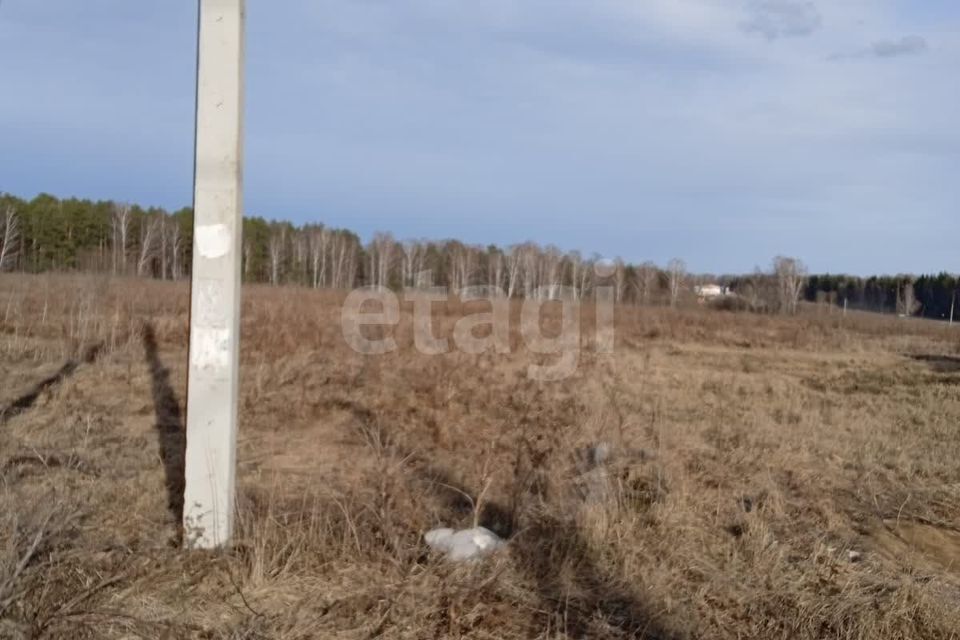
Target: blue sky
723, 132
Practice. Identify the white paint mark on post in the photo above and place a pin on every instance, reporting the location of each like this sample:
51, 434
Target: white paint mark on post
215, 293
213, 240
210, 349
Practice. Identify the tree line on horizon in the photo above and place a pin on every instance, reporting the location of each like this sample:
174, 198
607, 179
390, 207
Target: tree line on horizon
47, 233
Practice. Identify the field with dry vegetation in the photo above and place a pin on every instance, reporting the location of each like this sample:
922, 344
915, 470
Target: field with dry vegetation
768, 477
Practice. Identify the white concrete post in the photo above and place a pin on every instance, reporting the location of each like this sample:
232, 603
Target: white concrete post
210, 463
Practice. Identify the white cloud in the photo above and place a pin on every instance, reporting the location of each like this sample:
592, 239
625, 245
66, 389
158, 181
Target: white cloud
535, 116
904, 46
782, 18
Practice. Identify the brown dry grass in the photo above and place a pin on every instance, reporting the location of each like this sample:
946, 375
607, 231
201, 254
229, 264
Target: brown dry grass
752, 455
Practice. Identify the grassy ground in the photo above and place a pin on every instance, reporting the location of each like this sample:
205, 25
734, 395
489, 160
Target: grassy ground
771, 478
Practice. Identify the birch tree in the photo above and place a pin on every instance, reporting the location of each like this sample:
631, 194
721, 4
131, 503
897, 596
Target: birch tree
676, 274
791, 275
576, 266
551, 261
176, 242
587, 272
339, 252
120, 225
344, 252
514, 260
301, 253
645, 281
148, 244
495, 269
529, 271
248, 248
10, 229
411, 255
385, 245
277, 249
380, 253
461, 265
619, 280
319, 241
907, 304
164, 248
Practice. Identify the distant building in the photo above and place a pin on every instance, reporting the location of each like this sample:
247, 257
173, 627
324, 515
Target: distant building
711, 291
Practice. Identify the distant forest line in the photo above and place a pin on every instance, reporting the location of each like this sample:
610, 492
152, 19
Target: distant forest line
52, 234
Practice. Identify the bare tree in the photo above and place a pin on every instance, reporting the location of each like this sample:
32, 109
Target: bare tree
619, 280
529, 271
277, 247
551, 261
339, 252
462, 264
791, 276
247, 257
319, 242
907, 304
164, 248
176, 242
414, 254
120, 223
422, 274
148, 241
495, 269
514, 260
10, 228
587, 272
344, 251
575, 260
350, 264
301, 254
677, 275
381, 258
759, 290
644, 281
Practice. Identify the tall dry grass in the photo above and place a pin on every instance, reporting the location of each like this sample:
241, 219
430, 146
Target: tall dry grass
768, 477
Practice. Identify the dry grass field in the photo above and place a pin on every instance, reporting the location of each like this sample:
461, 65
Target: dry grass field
770, 477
